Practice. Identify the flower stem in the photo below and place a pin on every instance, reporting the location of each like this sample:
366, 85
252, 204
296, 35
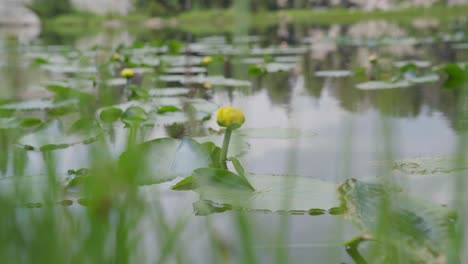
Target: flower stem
224, 149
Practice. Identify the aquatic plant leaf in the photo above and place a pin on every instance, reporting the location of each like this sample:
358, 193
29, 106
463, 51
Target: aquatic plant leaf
134, 116
110, 115
168, 108
161, 92
381, 85
333, 74
417, 63
63, 92
163, 159
19, 122
456, 76
428, 165
274, 193
219, 178
418, 228
237, 146
52, 135
38, 104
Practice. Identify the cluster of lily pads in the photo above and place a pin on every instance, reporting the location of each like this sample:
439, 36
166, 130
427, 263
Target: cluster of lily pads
92, 96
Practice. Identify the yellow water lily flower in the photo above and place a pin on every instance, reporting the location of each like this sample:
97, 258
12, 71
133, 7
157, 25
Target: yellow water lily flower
206, 60
116, 57
127, 73
230, 117
373, 58
208, 85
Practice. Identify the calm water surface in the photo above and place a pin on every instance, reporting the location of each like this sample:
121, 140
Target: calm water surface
353, 128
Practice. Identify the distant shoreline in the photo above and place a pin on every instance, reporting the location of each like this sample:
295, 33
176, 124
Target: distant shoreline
229, 19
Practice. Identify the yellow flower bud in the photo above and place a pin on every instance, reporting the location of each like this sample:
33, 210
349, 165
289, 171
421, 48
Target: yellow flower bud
127, 73
116, 57
373, 58
230, 117
208, 85
206, 60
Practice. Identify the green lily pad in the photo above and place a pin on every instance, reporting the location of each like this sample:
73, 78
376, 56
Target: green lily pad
19, 122
429, 78
333, 74
168, 108
426, 165
280, 67
52, 135
417, 63
164, 159
382, 85
162, 92
419, 230
202, 80
191, 70
110, 115
275, 193
38, 104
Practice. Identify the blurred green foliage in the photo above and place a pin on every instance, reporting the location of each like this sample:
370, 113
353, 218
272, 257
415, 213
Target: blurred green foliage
50, 8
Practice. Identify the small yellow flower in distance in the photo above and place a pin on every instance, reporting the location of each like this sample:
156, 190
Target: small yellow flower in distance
230, 117
116, 57
208, 85
206, 60
127, 73
373, 58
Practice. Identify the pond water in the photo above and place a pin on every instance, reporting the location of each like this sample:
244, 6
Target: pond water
308, 125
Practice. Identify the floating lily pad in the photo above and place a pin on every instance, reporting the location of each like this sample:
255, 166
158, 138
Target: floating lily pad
201, 79
19, 122
429, 165
280, 67
66, 69
161, 92
237, 146
418, 228
288, 59
38, 104
430, 78
52, 136
192, 70
117, 82
164, 159
333, 74
382, 85
276, 194
417, 63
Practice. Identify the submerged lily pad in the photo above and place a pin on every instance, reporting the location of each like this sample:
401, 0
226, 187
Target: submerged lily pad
274, 133
275, 193
52, 136
164, 159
